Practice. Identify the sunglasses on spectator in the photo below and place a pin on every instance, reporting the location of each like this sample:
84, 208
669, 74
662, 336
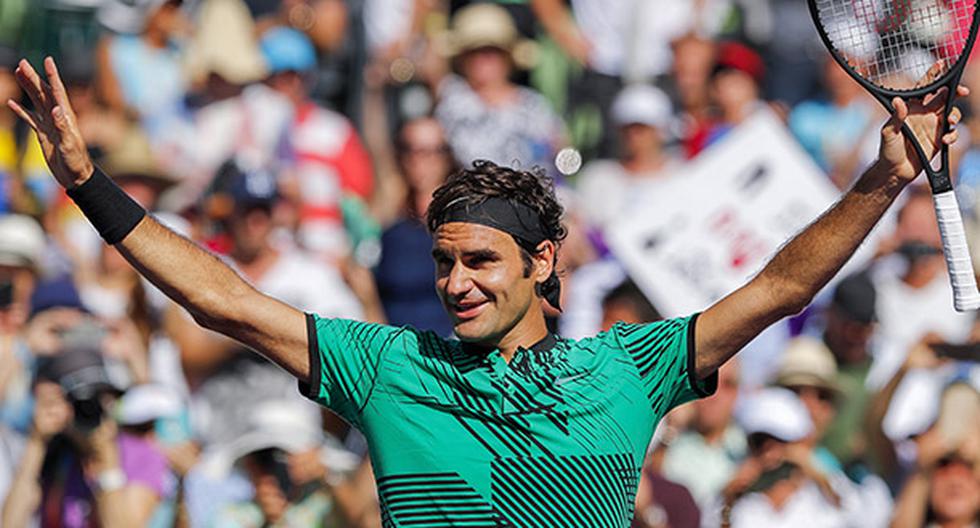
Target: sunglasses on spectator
823, 394
425, 150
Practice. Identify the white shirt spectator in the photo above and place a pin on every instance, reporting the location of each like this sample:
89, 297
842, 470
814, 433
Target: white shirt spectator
631, 38
807, 507
307, 284
906, 314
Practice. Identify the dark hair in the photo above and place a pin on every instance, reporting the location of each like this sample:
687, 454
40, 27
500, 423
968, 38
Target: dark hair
629, 294
486, 179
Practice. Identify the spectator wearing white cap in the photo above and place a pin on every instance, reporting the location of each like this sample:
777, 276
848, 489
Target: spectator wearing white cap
778, 484
944, 487
643, 115
22, 243
292, 468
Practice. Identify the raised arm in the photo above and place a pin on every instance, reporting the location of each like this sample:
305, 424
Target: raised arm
804, 265
217, 297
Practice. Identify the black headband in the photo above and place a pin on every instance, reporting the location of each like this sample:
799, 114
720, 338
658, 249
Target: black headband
514, 218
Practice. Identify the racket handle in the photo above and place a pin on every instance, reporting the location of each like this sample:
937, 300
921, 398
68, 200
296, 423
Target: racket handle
965, 295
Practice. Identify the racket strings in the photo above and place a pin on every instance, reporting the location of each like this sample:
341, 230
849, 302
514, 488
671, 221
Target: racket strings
898, 44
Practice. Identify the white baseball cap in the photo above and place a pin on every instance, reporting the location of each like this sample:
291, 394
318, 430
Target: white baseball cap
145, 403
290, 425
644, 104
126, 16
774, 411
21, 241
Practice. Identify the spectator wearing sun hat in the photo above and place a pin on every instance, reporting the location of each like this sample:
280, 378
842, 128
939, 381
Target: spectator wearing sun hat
486, 115
807, 368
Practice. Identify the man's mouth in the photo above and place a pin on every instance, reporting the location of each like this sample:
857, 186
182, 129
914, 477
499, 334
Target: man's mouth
468, 309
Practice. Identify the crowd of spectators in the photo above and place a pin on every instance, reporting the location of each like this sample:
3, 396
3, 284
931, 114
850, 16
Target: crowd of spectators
301, 140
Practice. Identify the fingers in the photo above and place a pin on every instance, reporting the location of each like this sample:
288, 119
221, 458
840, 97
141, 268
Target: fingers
894, 125
23, 113
60, 119
30, 81
57, 87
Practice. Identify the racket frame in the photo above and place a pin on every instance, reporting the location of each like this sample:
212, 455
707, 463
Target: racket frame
939, 180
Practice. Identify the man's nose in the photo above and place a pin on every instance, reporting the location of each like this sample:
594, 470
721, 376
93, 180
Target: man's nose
459, 281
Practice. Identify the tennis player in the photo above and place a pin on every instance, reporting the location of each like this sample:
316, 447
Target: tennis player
509, 426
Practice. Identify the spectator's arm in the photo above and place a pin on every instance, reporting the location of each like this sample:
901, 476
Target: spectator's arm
913, 502
105, 78
51, 415
378, 141
217, 297
129, 504
807, 262
560, 25
24, 495
920, 356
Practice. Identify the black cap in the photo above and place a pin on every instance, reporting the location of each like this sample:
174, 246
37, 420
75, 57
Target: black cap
237, 188
855, 298
81, 373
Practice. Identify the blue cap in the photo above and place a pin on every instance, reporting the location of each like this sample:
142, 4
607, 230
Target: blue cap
286, 49
56, 293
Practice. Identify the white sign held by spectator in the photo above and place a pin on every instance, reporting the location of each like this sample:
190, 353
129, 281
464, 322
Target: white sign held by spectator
712, 227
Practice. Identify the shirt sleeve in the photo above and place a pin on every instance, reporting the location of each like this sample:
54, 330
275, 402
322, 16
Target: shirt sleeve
664, 355
144, 464
345, 361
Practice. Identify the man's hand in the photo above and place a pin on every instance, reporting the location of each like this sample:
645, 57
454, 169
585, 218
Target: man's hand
924, 117
55, 123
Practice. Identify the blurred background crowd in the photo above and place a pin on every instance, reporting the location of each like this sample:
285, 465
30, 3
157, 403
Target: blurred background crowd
301, 140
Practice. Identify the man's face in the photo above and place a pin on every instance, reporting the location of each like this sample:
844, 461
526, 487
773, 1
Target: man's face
481, 280
250, 231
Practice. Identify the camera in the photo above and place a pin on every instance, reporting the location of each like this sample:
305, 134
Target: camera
82, 374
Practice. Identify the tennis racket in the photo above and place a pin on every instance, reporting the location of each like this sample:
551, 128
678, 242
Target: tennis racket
909, 49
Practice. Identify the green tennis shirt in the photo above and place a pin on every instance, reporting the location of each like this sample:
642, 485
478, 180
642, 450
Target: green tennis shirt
554, 438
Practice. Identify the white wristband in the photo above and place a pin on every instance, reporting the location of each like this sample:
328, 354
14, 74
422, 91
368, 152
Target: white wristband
110, 480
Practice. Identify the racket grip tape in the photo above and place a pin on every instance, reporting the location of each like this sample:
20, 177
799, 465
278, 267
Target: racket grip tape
957, 252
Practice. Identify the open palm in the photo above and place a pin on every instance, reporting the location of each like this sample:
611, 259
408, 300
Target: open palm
54, 122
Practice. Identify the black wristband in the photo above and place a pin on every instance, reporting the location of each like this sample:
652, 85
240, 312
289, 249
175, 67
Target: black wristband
110, 210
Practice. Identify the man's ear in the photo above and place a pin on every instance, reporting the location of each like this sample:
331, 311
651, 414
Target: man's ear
544, 261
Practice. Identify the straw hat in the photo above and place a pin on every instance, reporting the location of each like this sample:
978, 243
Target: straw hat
486, 25
225, 44
807, 362
132, 158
